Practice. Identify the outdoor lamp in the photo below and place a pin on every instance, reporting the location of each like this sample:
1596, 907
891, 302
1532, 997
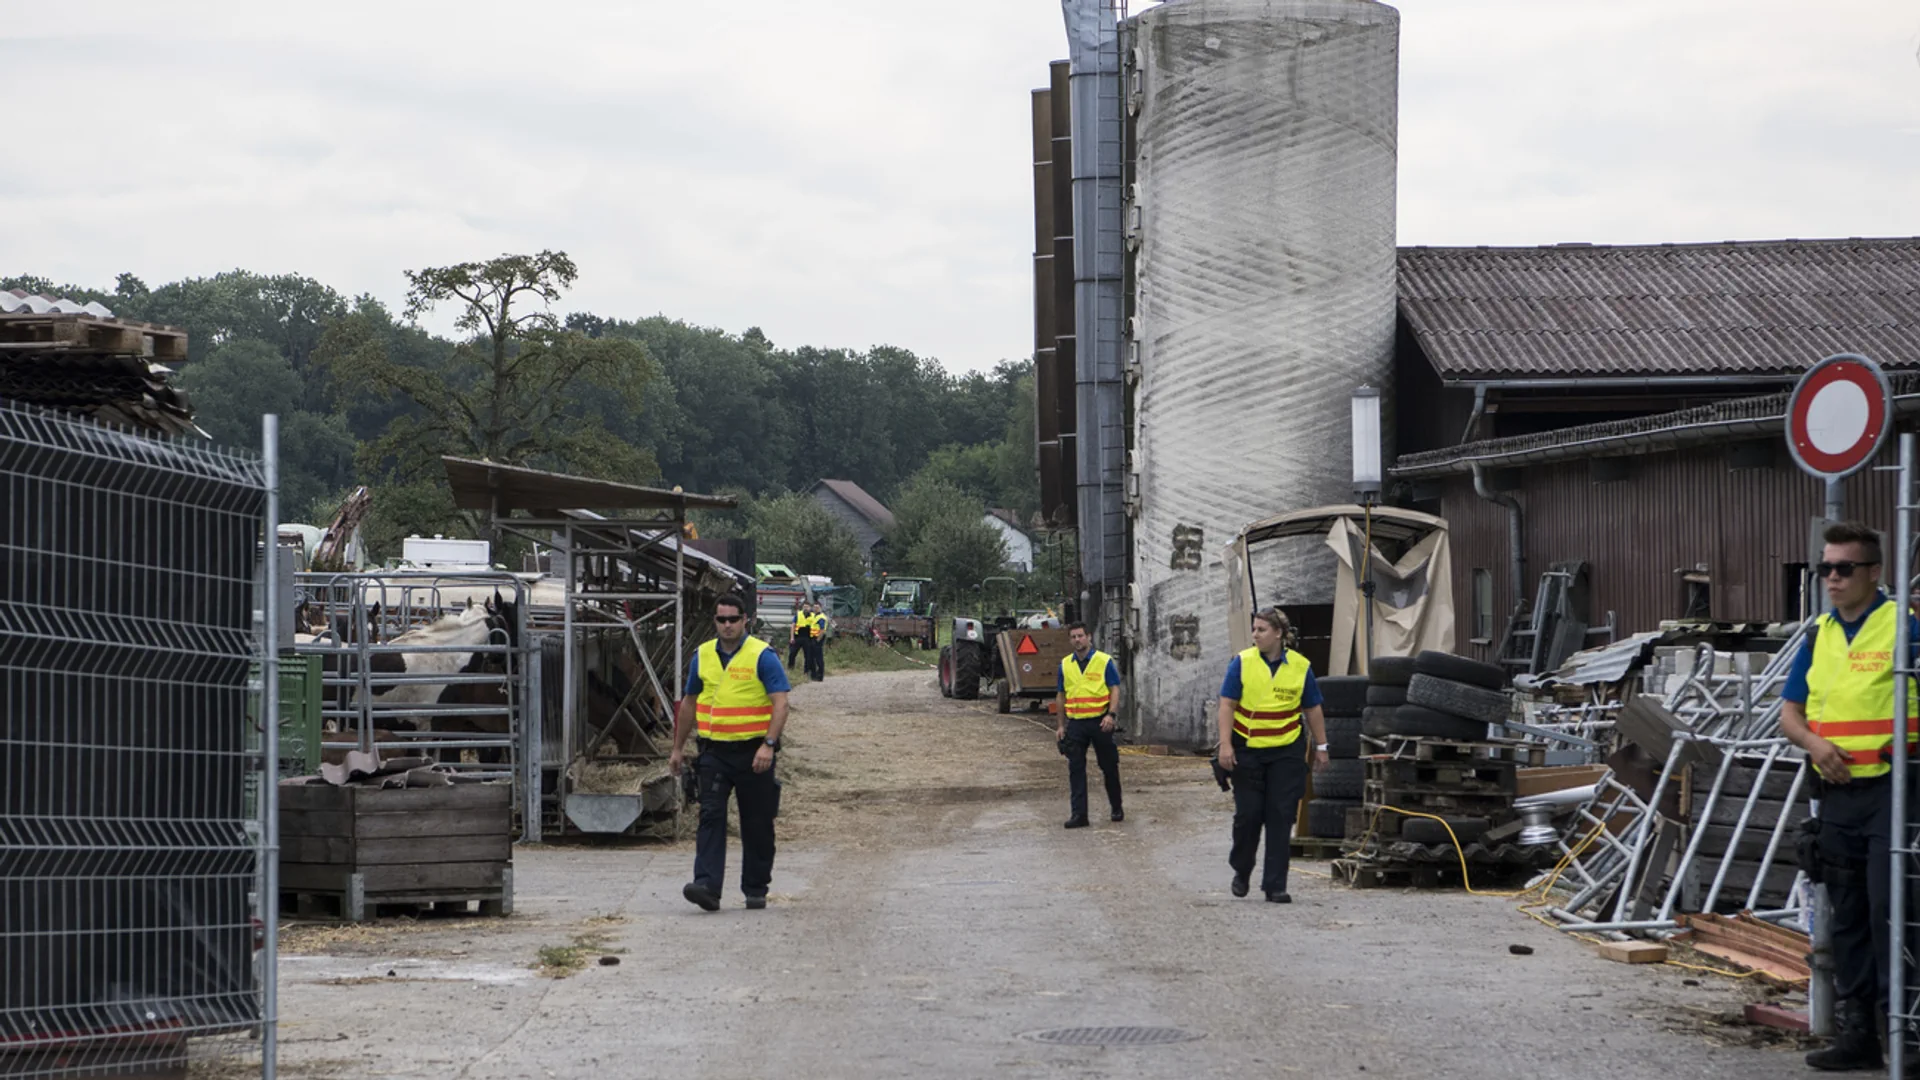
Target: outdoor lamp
1366, 443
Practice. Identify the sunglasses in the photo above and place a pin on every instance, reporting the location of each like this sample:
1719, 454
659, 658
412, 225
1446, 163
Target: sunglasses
726, 619
1844, 569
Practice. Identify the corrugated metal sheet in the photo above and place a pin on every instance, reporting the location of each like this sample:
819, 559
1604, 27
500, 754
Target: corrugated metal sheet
18, 301
1676, 512
1754, 308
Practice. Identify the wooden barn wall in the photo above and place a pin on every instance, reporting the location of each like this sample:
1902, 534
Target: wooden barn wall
1674, 512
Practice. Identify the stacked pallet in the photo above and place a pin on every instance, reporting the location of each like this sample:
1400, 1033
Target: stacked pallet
1437, 786
59, 355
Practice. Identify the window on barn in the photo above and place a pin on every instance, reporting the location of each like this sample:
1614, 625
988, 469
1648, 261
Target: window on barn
1482, 607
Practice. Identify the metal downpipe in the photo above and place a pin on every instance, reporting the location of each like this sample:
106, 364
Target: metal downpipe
1516, 534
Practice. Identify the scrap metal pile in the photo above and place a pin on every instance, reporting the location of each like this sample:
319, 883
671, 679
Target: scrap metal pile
1697, 818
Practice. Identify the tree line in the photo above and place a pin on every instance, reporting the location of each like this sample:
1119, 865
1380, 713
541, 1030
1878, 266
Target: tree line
367, 396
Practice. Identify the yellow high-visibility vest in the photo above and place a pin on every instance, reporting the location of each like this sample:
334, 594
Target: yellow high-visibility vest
1850, 690
1269, 710
1085, 687
733, 705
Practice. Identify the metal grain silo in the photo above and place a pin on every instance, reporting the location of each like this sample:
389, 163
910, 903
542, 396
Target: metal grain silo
1262, 224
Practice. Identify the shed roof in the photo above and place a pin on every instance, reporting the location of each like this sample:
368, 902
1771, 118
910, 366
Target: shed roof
1752, 308
476, 484
863, 504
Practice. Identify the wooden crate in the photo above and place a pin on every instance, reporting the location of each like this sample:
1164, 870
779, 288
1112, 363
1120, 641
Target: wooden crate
346, 850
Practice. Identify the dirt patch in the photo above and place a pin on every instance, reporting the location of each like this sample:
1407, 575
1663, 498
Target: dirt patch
588, 944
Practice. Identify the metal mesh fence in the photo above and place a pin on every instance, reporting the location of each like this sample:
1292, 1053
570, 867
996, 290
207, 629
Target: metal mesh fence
128, 848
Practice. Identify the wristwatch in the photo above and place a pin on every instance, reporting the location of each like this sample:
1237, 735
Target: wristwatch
773, 744
1321, 747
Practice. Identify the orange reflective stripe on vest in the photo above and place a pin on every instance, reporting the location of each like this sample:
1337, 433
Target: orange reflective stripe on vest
1268, 713
733, 705
1085, 686
1850, 690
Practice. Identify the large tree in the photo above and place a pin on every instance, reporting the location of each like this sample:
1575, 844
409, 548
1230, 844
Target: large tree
796, 530
516, 390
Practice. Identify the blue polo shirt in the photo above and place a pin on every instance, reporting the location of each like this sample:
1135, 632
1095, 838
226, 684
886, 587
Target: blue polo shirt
772, 674
1796, 688
1230, 686
1113, 668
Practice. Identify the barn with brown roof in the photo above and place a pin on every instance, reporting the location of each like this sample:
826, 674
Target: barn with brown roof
1616, 413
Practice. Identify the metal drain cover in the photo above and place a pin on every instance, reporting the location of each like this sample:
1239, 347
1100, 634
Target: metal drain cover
1113, 1036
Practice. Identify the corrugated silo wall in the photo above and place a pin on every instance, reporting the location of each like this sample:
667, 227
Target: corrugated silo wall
1265, 134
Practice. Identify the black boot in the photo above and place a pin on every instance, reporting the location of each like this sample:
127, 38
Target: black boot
1854, 1045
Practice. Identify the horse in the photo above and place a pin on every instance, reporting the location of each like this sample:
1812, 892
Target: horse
496, 622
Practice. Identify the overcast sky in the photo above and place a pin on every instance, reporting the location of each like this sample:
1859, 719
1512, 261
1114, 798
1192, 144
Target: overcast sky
858, 172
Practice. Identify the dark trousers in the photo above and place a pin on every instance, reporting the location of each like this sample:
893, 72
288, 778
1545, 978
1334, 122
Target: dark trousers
1855, 827
1267, 786
1080, 734
727, 769
816, 653
796, 647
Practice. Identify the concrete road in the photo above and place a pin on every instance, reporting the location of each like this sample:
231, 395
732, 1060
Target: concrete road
930, 916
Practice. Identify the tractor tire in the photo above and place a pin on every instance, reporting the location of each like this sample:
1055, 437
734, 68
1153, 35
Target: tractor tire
1390, 670
1327, 818
1460, 669
1343, 736
1003, 695
1377, 721
1428, 831
968, 659
1459, 699
1340, 780
1343, 695
1386, 694
1420, 722
946, 671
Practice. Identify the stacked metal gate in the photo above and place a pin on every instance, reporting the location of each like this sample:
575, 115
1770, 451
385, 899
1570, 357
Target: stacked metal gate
128, 848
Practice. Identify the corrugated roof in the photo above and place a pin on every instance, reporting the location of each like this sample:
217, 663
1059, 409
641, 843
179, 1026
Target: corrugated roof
19, 300
1739, 308
863, 504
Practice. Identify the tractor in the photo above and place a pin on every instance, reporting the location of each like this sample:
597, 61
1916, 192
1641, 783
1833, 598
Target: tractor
904, 612
1019, 652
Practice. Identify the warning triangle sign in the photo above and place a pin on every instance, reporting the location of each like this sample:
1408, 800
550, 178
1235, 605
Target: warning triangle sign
1027, 647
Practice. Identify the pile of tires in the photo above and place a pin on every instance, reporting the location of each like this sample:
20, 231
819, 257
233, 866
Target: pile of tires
1343, 700
1435, 695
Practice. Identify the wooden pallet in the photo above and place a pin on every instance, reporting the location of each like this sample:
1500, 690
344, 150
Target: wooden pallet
1315, 847
1369, 874
87, 333
356, 904
1423, 748
1485, 777
1435, 799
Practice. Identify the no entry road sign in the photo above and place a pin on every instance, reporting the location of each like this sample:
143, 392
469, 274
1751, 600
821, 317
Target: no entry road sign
1839, 415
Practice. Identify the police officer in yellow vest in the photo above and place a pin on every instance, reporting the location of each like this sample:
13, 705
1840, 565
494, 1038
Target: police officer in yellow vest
1838, 707
1268, 694
816, 651
797, 639
736, 696
1084, 706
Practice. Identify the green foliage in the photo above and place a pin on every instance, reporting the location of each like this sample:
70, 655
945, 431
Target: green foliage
941, 532
796, 530
512, 394
368, 396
